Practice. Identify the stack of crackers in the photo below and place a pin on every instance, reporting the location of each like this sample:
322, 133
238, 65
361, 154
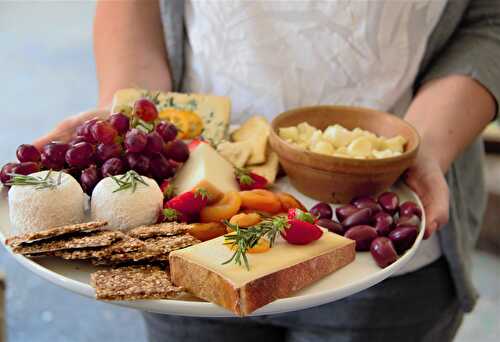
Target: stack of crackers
139, 256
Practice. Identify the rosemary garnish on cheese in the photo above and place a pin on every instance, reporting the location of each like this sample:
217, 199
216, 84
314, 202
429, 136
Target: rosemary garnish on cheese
128, 180
242, 239
38, 182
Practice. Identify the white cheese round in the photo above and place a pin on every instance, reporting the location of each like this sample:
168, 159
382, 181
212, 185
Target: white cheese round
126, 209
32, 209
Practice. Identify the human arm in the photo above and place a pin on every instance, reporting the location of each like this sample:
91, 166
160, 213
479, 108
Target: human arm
129, 51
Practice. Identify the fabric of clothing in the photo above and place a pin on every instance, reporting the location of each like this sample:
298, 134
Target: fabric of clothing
421, 306
465, 41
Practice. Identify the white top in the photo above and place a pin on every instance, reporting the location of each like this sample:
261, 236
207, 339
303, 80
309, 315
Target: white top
269, 56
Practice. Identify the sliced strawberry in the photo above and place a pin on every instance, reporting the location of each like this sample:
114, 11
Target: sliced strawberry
301, 232
189, 203
167, 189
297, 214
249, 180
172, 215
194, 144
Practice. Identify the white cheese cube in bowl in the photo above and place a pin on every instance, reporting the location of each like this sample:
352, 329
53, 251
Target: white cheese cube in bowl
33, 208
323, 147
360, 147
338, 136
289, 133
395, 144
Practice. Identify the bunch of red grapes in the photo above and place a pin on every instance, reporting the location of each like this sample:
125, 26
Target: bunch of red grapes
380, 225
103, 148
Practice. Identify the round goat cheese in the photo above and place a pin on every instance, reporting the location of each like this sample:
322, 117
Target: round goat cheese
126, 208
33, 209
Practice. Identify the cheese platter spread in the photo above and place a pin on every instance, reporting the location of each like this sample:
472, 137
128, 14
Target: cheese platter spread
161, 207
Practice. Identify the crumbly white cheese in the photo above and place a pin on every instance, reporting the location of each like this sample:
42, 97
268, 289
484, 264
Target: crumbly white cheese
126, 209
32, 210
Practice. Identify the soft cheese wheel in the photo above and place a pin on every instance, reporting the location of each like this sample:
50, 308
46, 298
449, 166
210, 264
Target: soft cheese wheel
32, 209
126, 208
206, 169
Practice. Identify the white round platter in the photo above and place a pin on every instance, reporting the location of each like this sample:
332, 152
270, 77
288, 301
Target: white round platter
362, 273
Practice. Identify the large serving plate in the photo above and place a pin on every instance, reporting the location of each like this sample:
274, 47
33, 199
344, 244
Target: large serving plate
357, 276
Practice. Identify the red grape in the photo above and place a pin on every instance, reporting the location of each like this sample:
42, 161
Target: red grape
167, 130
108, 151
77, 140
360, 217
112, 167
80, 155
145, 110
408, 220
331, 225
120, 122
389, 201
366, 202
363, 235
177, 150
155, 143
53, 155
383, 251
28, 153
138, 162
409, 208
6, 169
89, 179
85, 131
322, 210
135, 140
161, 167
103, 132
26, 168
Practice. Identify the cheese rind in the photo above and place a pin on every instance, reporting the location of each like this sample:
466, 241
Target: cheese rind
214, 111
206, 169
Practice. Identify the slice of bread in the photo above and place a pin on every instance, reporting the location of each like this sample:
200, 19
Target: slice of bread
277, 273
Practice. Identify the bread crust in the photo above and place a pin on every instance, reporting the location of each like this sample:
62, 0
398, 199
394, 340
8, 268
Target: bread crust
210, 286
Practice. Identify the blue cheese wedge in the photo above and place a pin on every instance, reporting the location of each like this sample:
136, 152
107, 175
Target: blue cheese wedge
214, 111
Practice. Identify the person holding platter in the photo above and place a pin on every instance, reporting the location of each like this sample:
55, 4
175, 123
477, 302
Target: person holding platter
431, 62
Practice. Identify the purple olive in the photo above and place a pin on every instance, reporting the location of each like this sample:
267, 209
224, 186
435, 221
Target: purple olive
383, 223
363, 235
343, 212
403, 238
409, 208
389, 201
322, 210
331, 225
366, 202
362, 216
408, 220
383, 251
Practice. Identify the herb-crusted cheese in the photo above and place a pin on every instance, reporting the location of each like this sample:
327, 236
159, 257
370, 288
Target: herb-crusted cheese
213, 110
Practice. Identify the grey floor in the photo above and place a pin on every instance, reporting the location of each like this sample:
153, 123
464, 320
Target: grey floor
46, 73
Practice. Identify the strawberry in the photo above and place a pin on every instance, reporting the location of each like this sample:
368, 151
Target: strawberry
194, 144
189, 203
172, 215
301, 228
298, 214
167, 189
249, 180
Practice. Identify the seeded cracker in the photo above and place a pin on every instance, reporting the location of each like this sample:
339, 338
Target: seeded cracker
95, 239
134, 282
155, 249
126, 245
55, 232
162, 229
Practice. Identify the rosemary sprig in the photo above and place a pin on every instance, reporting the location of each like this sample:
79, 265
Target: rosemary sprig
39, 182
128, 180
244, 239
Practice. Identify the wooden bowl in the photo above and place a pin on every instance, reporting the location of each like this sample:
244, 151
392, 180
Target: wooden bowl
335, 179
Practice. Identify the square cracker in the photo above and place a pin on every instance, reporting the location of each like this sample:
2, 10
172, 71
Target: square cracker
94, 239
126, 245
161, 229
134, 282
51, 233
